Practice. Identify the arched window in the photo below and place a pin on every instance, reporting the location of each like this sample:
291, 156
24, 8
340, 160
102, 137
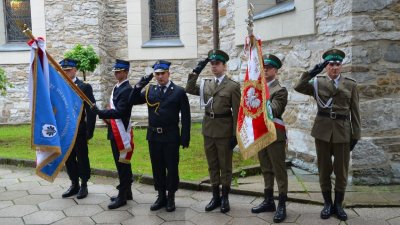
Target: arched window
16, 13
164, 19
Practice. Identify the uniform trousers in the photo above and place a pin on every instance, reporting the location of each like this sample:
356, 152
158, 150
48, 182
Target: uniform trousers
164, 162
124, 170
219, 159
77, 164
339, 165
272, 162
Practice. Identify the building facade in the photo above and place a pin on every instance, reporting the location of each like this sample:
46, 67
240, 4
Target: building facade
297, 31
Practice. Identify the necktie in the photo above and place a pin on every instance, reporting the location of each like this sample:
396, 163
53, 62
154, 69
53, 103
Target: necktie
162, 90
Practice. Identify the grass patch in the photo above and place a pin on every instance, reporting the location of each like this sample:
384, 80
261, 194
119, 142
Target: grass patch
15, 143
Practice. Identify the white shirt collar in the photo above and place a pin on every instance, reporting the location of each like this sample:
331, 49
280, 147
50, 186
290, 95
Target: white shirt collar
269, 83
167, 85
336, 80
220, 79
73, 80
120, 83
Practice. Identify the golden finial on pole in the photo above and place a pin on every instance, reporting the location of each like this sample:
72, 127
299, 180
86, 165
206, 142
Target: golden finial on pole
250, 23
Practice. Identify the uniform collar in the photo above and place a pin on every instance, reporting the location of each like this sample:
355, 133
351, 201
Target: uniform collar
220, 79
336, 80
270, 83
167, 85
120, 83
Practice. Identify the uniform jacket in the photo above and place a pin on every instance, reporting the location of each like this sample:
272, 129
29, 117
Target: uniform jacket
226, 99
172, 102
122, 107
88, 119
345, 102
278, 98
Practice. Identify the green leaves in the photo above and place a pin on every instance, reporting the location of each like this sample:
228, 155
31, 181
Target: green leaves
4, 83
86, 57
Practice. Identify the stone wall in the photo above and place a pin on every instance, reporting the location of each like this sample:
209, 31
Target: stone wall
375, 64
367, 30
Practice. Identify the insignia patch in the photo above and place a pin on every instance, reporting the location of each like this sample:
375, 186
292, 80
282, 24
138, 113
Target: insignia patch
49, 130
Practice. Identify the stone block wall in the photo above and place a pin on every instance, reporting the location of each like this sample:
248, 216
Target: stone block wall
367, 31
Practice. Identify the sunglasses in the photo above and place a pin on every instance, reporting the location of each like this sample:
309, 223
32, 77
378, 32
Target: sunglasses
335, 63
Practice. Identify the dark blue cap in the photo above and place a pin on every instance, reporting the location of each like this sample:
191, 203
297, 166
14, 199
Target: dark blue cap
161, 66
121, 65
68, 64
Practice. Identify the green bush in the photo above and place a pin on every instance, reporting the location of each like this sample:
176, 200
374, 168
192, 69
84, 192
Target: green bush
4, 82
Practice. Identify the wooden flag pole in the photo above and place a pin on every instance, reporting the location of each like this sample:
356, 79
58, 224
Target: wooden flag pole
215, 24
82, 95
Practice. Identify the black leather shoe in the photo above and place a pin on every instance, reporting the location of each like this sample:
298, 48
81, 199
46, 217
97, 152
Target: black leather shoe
215, 201
83, 192
170, 202
327, 211
72, 190
119, 201
268, 205
280, 214
337, 206
225, 199
160, 202
128, 196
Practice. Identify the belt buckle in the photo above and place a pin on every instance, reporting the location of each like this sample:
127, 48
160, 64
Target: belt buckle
212, 115
159, 130
332, 115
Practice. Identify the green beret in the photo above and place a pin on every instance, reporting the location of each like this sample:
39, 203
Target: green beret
218, 55
272, 60
334, 55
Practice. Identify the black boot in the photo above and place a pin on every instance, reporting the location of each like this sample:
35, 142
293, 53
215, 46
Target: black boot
72, 190
170, 202
327, 211
119, 201
160, 202
280, 214
225, 199
268, 205
83, 191
340, 213
215, 201
128, 195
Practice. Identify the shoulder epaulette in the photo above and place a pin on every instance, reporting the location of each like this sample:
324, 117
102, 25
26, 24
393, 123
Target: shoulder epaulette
350, 79
321, 76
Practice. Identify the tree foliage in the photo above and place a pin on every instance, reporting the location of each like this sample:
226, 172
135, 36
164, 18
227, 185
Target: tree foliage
4, 83
86, 57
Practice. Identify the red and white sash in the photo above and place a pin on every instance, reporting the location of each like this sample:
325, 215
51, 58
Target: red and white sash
123, 138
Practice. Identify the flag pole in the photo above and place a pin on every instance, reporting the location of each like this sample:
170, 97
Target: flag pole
250, 24
82, 95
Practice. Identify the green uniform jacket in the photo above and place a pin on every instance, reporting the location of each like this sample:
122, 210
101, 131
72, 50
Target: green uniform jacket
226, 99
345, 102
278, 98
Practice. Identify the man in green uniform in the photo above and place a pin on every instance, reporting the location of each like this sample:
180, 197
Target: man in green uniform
272, 158
336, 127
220, 96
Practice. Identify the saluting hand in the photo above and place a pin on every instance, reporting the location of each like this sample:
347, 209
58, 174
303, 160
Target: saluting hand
144, 80
318, 69
200, 66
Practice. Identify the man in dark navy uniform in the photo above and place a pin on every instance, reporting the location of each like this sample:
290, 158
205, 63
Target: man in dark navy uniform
165, 101
77, 164
119, 126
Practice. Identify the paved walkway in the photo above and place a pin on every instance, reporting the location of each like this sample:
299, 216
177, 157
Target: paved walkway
27, 199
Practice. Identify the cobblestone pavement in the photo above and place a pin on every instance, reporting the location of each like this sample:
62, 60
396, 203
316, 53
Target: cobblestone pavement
28, 199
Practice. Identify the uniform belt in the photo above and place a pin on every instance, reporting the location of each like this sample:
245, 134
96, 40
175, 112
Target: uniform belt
161, 130
333, 115
222, 115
